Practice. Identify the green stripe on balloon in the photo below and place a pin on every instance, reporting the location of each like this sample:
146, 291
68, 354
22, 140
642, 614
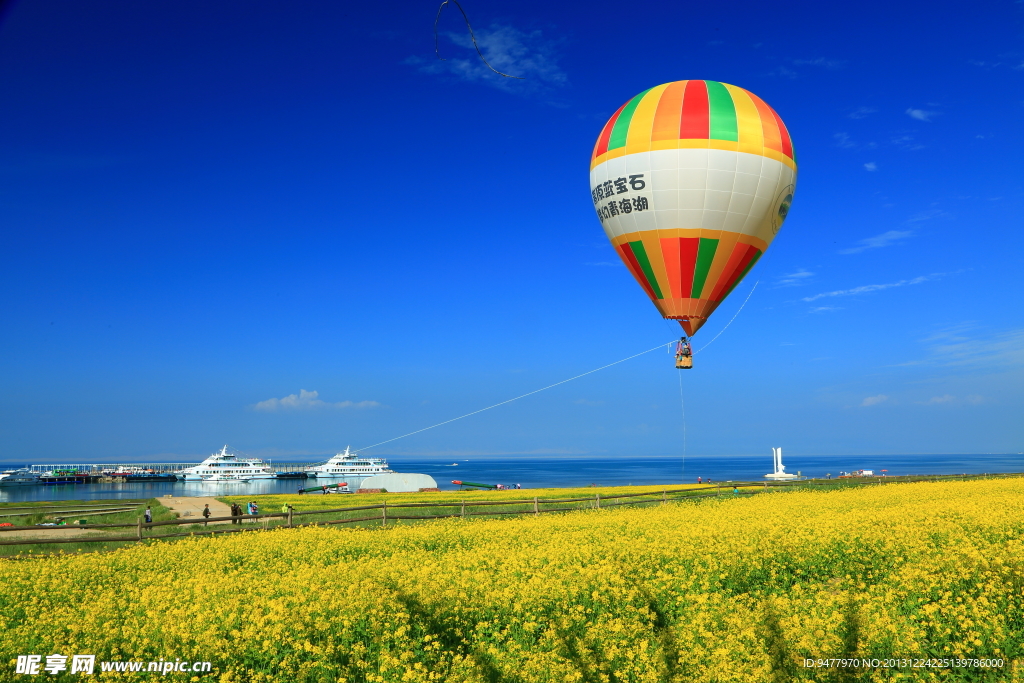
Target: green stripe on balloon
621, 128
705, 255
723, 113
645, 264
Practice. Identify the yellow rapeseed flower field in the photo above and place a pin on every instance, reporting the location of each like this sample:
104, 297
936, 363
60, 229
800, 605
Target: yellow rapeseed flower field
737, 589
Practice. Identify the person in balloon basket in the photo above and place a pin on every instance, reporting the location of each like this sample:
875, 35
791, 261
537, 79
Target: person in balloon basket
684, 354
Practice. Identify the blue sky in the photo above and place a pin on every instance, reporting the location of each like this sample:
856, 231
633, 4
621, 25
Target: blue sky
213, 210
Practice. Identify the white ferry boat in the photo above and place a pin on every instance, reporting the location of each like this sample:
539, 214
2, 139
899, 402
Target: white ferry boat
22, 477
225, 463
348, 465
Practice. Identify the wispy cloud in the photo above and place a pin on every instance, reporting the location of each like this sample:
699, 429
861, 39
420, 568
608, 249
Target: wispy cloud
871, 166
928, 215
953, 347
843, 140
878, 241
530, 56
825, 309
307, 400
949, 399
867, 289
904, 141
862, 112
783, 72
822, 62
794, 279
921, 114
874, 400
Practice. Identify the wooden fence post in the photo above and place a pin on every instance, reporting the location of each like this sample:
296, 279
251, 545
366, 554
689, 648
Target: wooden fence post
140, 529
290, 509
597, 497
463, 513
664, 497
384, 514
536, 508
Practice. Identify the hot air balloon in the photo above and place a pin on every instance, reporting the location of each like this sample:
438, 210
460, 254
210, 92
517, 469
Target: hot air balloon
691, 181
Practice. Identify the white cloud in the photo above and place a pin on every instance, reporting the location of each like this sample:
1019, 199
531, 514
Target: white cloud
865, 289
307, 400
921, 114
825, 309
878, 241
874, 400
871, 166
945, 398
861, 112
794, 279
529, 56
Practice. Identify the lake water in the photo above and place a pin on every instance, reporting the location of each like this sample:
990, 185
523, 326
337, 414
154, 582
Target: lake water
542, 472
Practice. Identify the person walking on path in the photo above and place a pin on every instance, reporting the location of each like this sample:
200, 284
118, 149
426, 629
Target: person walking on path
149, 515
735, 491
206, 514
236, 512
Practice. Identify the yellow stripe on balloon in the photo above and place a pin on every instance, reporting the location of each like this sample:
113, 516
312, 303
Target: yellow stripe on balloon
652, 245
748, 121
638, 139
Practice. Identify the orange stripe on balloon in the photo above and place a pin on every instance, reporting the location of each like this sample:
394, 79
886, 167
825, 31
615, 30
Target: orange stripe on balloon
670, 252
740, 257
772, 137
670, 109
787, 143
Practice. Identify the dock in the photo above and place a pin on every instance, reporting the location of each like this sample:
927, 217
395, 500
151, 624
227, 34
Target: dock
88, 473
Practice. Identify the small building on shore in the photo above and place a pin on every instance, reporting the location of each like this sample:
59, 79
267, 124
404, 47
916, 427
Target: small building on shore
398, 482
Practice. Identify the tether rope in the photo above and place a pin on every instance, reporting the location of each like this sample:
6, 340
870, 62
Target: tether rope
537, 391
589, 372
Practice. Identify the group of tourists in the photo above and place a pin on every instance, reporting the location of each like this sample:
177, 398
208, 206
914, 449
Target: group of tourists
251, 508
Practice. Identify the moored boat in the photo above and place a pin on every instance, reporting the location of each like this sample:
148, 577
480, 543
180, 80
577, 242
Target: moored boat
19, 477
227, 463
348, 465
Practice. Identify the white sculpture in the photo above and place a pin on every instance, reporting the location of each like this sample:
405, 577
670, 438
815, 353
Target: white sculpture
780, 469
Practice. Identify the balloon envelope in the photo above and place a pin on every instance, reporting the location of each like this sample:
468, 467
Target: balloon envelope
691, 181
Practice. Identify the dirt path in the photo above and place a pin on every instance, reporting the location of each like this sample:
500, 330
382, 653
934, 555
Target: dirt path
188, 507
62, 532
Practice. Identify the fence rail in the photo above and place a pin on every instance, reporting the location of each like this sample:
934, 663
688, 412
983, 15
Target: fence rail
465, 510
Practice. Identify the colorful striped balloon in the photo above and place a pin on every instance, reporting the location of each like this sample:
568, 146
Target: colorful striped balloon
692, 180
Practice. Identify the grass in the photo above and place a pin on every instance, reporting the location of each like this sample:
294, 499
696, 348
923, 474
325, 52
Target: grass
28, 521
